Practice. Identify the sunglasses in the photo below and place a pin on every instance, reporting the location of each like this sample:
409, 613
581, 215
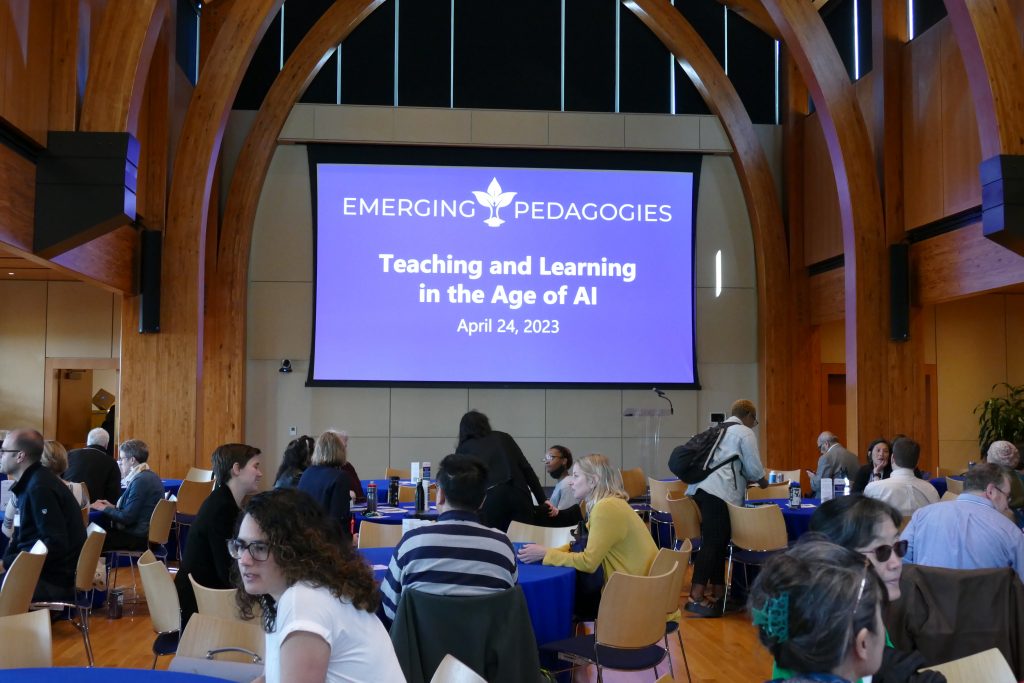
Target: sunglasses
884, 552
258, 550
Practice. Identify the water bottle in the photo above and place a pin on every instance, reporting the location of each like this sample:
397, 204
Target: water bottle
393, 486
794, 494
773, 477
371, 498
421, 497
426, 471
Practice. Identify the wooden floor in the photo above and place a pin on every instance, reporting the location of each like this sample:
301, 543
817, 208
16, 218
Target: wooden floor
722, 650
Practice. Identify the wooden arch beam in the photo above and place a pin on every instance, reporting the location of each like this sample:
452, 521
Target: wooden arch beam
225, 357
754, 12
770, 248
861, 215
166, 369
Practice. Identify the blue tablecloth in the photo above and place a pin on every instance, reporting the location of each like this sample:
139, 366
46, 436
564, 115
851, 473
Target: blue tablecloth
798, 520
550, 593
100, 675
388, 515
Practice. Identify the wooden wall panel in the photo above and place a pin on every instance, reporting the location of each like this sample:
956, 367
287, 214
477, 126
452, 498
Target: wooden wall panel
17, 199
827, 297
153, 133
959, 264
64, 66
823, 233
961, 146
864, 88
25, 80
922, 130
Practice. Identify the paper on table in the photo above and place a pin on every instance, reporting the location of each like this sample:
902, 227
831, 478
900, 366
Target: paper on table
379, 567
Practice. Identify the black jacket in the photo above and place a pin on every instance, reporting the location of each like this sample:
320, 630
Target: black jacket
97, 470
329, 486
48, 512
206, 552
510, 480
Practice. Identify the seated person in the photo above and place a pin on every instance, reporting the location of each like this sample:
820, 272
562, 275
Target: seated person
326, 481
971, 532
818, 610
903, 490
127, 523
55, 459
94, 467
237, 471
296, 459
46, 512
1006, 454
879, 466
355, 485
317, 594
457, 555
558, 463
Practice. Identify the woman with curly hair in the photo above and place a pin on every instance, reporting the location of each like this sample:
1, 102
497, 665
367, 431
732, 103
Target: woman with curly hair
318, 596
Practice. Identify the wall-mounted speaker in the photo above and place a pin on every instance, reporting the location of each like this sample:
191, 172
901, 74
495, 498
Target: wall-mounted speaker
899, 292
149, 281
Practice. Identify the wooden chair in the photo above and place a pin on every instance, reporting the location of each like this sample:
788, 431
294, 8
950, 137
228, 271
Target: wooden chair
452, 670
985, 667
85, 515
667, 678
164, 609
159, 532
189, 499
757, 534
407, 494
954, 485
948, 496
685, 519
85, 572
629, 628
404, 475
790, 475
660, 514
26, 641
635, 483
211, 637
773, 491
378, 535
552, 537
197, 474
21, 579
214, 602
679, 559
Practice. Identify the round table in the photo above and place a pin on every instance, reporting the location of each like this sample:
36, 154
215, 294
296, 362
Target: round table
390, 515
798, 520
100, 675
550, 593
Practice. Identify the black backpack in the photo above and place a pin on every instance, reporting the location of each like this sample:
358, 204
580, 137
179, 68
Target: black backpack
691, 461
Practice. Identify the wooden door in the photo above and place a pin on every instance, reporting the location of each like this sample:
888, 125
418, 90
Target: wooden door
74, 407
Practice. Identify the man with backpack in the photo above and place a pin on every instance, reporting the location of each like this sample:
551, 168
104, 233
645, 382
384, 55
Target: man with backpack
733, 462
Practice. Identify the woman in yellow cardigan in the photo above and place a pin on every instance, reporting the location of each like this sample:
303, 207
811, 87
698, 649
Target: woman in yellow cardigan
619, 541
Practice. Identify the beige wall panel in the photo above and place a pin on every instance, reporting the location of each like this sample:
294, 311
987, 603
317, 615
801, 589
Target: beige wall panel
680, 424
516, 411
922, 141
279, 315
282, 241
587, 130
275, 402
369, 455
361, 411
712, 135
300, 125
954, 455
832, 338
22, 353
961, 147
727, 326
722, 224
405, 450
722, 384
823, 234
428, 412
436, 126
534, 449
584, 412
662, 132
509, 128
106, 380
79, 321
971, 354
585, 445
633, 447
354, 123
1014, 339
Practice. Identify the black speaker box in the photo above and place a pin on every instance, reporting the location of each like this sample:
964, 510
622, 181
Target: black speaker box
149, 281
899, 292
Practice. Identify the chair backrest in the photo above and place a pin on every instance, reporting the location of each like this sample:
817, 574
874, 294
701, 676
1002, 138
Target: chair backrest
160, 522
215, 602
161, 596
773, 491
667, 678
632, 611
790, 475
663, 562
635, 482
197, 474
21, 579
452, 670
85, 515
89, 557
378, 535
955, 485
758, 528
984, 667
661, 490
26, 640
206, 632
395, 472
685, 516
551, 537
192, 494
407, 494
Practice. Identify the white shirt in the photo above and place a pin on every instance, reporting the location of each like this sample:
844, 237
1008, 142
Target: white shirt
738, 439
361, 650
903, 491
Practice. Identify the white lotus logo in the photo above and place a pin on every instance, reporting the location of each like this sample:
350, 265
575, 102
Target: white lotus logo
494, 199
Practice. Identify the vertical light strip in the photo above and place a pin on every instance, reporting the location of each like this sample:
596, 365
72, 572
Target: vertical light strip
718, 273
672, 79
856, 42
777, 82
280, 52
337, 58
618, 47
561, 86
725, 30
451, 61
199, 18
910, 20
398, 7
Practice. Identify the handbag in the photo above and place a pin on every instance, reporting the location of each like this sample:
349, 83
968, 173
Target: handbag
588, 586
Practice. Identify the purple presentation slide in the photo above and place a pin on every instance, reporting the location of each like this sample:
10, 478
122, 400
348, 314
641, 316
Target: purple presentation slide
503, 275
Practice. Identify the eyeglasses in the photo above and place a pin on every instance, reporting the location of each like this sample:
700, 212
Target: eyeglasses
1005, 493
884, 552
258, 550
549, 458
10, 450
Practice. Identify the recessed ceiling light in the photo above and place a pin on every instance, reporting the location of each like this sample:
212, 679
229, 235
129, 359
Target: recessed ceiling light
11, 274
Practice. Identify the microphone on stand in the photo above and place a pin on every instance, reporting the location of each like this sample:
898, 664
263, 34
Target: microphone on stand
659, 392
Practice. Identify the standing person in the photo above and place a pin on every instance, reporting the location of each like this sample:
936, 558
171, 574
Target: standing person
297, 458
46, 512
903, 490
127, 523
93, 467
879, 466
237, 469
511, 480
318, 596
55, 459
725, 485
326, 482
835, 461
558, 463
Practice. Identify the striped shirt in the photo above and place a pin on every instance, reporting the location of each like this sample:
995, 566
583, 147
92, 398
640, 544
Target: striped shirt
456, 556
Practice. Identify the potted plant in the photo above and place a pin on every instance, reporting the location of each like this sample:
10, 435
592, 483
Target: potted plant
1001, 417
